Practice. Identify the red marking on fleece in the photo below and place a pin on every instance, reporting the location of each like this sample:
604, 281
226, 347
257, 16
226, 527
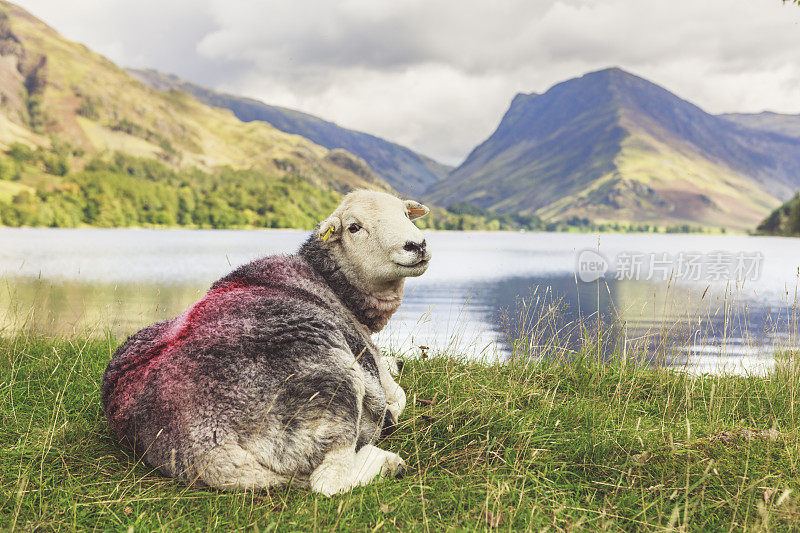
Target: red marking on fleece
273, 277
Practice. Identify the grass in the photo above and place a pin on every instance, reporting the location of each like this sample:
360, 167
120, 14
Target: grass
558, 445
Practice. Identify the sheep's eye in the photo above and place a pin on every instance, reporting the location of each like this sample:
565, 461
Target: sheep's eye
354, 228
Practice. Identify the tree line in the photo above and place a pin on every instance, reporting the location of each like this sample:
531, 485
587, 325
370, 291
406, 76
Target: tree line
124, 191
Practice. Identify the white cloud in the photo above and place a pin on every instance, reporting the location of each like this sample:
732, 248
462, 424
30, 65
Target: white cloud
437, 76
412, 106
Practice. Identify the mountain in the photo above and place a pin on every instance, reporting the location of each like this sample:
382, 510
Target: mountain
408, 172
611, 146
86, 143
768, 121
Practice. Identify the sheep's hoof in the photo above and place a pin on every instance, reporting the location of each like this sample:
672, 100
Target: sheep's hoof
400, 471
394, 466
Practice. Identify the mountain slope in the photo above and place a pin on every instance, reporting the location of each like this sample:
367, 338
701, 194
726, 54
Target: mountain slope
614, 147
408, 172
783, 221
54, 90
768, 121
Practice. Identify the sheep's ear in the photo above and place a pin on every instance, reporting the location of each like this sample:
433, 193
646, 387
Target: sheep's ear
330, 229
416, 209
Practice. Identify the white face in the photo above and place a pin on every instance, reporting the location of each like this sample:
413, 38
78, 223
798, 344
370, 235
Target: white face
373, 235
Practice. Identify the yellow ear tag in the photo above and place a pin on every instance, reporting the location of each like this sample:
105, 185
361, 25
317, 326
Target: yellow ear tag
327, 235
419, 212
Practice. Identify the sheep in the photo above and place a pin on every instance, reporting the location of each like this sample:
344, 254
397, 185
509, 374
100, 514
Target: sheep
272, 378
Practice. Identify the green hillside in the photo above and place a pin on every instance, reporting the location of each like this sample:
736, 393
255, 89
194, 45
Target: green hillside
784, 221
76, 131
123, 191
611, 146
405, 170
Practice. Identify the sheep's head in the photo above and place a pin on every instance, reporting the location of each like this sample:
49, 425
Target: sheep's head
375, 242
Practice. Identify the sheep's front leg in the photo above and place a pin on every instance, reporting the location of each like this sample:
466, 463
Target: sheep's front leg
334, 473
395, 400
371, 462
395, 395
343, 468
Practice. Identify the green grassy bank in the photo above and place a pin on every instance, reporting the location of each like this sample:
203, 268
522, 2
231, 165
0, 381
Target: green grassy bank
561, 446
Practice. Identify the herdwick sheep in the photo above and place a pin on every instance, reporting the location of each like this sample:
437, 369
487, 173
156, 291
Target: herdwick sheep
272, 377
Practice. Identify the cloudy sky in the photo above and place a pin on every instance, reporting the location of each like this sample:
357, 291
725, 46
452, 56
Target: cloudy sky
438, 75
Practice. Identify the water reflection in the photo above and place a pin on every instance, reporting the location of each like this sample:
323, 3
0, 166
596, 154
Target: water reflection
69, 308
681, 325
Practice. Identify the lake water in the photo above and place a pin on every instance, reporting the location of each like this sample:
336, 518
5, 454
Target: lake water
716, 301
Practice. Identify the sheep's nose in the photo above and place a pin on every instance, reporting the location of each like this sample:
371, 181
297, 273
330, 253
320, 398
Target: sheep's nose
418, 247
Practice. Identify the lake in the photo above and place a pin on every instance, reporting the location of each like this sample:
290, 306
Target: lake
719, 301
